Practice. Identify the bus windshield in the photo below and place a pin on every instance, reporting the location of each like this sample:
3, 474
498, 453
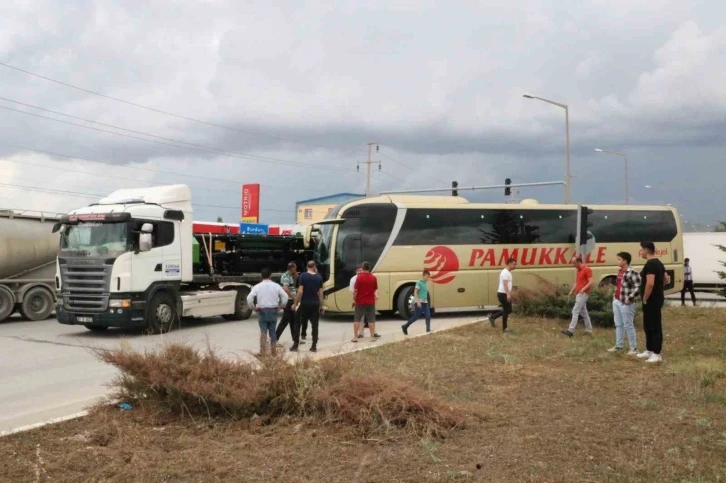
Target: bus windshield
322, 250
95, 239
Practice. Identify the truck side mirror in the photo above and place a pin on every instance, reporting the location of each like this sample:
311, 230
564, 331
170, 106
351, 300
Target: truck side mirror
147, 228
145, 242
57, 227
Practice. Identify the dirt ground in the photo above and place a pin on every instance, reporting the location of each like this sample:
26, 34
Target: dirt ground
543, 408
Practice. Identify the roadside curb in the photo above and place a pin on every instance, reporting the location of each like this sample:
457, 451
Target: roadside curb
28, 427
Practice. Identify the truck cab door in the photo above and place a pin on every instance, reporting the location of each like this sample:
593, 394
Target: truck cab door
146, 266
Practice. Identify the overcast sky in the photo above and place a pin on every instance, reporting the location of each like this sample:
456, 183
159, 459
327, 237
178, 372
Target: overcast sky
300, 90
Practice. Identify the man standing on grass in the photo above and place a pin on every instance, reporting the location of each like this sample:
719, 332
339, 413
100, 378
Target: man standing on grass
504, 295
289, 316
687, 282
654, 278
626, 291
267, 298
421, 296
310, 301
365, 293
582, 287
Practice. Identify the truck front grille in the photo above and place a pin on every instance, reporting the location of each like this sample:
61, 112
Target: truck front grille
86, 285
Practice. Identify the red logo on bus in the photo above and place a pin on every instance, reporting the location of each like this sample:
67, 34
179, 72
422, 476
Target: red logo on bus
442, 262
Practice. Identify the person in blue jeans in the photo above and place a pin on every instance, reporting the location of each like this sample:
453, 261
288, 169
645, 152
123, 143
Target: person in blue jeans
267, 298
626, 293
421, 296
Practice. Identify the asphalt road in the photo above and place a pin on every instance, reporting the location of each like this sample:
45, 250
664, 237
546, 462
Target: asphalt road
49, 370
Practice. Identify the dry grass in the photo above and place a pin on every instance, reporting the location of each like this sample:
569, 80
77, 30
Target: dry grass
545, 408
185, 381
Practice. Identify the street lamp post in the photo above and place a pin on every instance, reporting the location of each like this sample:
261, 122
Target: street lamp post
625, 157
568, 175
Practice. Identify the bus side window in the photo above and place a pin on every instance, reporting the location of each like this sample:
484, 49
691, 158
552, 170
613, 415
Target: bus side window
352, 250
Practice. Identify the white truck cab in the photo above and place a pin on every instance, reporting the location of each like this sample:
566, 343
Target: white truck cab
127, 261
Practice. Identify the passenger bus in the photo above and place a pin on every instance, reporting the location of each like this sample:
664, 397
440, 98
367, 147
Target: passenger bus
465, 245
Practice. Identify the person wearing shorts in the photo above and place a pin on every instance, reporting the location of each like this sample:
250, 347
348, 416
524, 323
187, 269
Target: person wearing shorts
365, 293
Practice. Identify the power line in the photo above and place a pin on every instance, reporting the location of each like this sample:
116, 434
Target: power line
159, 111
396, 161
202, 148
106, 163
82, 194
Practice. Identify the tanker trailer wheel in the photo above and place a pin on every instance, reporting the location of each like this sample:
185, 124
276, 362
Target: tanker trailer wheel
7, 304
242, 310
37, 304
162, 313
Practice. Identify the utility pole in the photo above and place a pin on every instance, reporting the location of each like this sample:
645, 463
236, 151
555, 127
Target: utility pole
368, 168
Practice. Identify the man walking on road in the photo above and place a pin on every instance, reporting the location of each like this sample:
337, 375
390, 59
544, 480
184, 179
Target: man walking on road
364, 296
626, 291
421, 298
504, 295
582, 287
267, 298
309, 301
654, 278
289, 315
687, 282
365, 320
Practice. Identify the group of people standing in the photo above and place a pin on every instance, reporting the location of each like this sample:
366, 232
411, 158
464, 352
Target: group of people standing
649, 285
298, 296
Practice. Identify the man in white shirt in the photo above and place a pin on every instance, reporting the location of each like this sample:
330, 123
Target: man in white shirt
270, 298
504, 294
687, 282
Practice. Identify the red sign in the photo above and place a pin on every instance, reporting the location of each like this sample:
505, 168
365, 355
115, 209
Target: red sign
215, 228
250, 203
441, 261
541, 256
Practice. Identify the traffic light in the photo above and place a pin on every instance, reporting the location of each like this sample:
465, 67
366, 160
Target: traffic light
507, 190
454, 191
585, 224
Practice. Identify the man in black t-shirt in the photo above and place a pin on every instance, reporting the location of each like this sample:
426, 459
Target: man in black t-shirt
310, 302
654, 278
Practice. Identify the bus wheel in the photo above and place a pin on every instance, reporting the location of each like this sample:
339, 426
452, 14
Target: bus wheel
608, 282
37, 304
242, 310
405, 302
162, 313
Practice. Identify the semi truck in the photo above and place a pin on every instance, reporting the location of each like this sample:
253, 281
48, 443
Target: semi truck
28, 252
132, 260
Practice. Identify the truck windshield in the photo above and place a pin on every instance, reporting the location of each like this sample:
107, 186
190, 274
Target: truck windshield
95, 239
322, 250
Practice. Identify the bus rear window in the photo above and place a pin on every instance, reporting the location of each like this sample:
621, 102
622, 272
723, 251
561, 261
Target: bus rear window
626, 226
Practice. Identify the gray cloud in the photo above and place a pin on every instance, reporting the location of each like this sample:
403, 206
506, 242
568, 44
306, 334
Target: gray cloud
439, 86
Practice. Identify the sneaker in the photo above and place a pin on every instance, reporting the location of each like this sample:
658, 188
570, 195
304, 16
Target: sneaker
491, 320
655, 358
404, 329
588, 332
644, 355
612, 350
376, 335
506, 331
567, 332
293, 348
633, 352
313, 348
302, 337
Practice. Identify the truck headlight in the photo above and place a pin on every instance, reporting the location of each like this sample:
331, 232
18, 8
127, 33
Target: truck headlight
119, 303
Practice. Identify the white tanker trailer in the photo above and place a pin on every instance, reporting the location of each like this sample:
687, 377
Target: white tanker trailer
28, 251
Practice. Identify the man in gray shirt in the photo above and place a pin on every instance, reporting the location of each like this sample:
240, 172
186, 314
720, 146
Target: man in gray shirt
267, 298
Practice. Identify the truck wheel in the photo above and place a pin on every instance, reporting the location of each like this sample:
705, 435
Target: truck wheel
242, 311
37, 304
405, 302
162, 313
7, 304
95, 328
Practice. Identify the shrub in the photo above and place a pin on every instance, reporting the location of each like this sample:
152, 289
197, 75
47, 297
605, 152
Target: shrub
551, 301
184, 380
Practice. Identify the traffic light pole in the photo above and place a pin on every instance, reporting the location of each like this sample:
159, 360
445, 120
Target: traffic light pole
475, 188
